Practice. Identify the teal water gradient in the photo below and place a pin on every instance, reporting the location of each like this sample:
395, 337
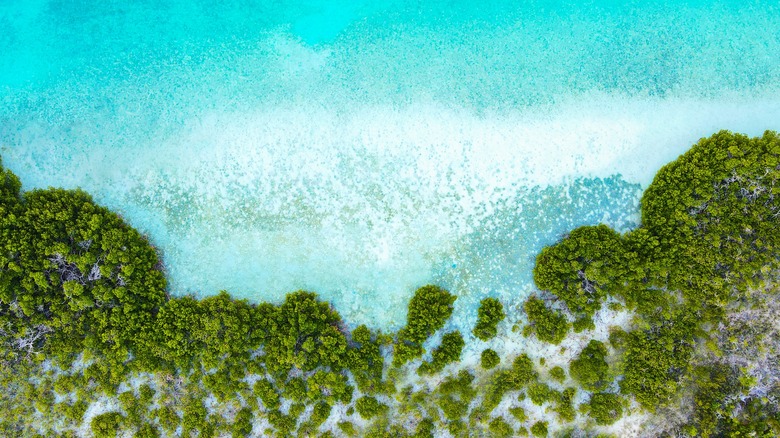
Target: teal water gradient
364, 148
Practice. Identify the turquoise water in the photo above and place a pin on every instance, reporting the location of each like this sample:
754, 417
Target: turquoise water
363, 148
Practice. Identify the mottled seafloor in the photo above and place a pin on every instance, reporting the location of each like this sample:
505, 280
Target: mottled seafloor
361, 149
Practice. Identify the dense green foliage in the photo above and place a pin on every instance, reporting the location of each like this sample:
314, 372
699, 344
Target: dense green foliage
541, 393
446, 353
489, 314
581, 268
605, 408
429, 309
500, 429
518, 413
365, 361
521, 373
583, 323
539, 429
84, 310
549, 325
489, 359
454, 394
564, 405
242, 425
708, 236
147, 431
304, 334
558, 374
106, 425
368, 407
590, 369
657, 359
72, 275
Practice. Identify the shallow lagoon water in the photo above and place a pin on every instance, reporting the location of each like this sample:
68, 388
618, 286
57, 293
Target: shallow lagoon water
362, 149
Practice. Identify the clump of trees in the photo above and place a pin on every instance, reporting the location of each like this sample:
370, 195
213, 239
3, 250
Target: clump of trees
657, 359
429, 308
708, 236
489, 314
489, 359
581, 269
106, 425
605, 408
590, 369
539, 429
558, 374
242, 424
73, 276
548, 325
85, 293
500, 428
303, 333
502, 381
453, 397
541, 393
446, 353
368, 407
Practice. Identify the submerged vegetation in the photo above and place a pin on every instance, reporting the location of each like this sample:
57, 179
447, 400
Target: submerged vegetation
91, 343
